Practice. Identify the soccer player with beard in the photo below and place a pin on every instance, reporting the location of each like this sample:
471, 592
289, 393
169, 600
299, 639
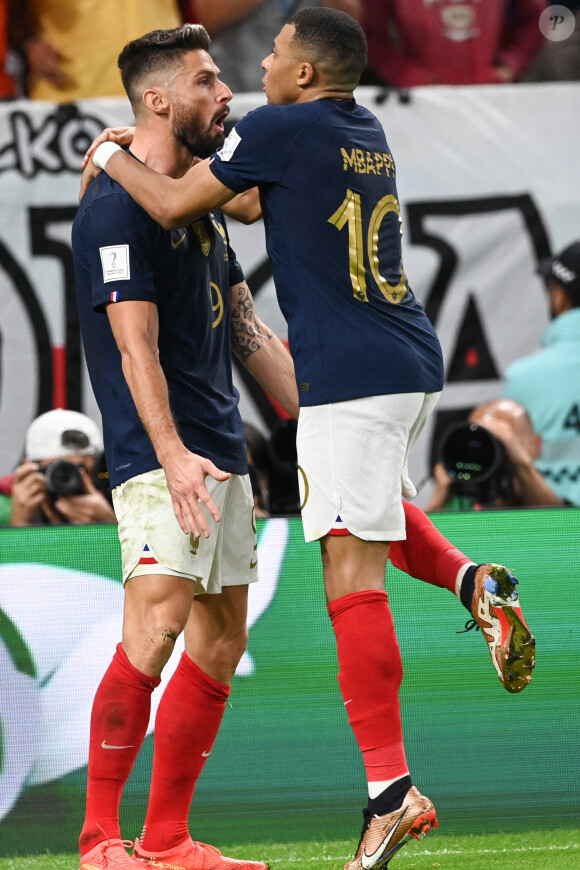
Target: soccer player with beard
159, 313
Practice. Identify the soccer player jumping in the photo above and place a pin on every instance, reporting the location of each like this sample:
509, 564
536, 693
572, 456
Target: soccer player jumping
368, 368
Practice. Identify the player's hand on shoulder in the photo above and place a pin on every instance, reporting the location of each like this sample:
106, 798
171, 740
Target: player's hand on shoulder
185, 473
90, 172
119, 135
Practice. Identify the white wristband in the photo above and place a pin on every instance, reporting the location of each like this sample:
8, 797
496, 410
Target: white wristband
103, 152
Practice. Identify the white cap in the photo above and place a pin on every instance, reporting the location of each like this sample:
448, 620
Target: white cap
61, 433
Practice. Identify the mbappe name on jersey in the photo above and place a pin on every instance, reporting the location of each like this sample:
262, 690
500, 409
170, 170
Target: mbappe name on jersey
365, 162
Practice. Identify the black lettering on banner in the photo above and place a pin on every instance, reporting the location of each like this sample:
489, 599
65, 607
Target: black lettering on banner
471, 358
39, 327
41, 219
419, 212
58, 143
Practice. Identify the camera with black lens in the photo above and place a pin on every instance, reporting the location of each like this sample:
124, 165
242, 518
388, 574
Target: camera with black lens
63, 478
477, 463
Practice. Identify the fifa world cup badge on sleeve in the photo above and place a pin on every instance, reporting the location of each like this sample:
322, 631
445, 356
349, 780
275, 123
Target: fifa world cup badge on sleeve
115, 263
227, 151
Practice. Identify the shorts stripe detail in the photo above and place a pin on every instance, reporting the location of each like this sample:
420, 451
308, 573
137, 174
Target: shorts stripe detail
339, 528
147, 558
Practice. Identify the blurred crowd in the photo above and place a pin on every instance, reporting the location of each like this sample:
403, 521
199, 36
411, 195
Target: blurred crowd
66, 50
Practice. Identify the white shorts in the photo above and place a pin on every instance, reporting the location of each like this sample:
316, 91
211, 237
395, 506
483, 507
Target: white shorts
352, 464
152, 541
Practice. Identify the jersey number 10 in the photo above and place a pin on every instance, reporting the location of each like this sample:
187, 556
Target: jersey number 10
350, 212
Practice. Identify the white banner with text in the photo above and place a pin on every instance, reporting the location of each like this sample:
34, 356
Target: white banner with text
488, 181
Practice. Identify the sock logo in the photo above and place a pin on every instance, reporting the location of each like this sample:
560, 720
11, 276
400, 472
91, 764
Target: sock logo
106, 745
369, 861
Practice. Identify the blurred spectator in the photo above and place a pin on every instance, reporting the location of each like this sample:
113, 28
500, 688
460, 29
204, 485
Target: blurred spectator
243, 31
260, 464
558, 60
58, 481
5, 498
548, 381
425, 42
491, 463
273, 471
71, 47
284, 495
7, 83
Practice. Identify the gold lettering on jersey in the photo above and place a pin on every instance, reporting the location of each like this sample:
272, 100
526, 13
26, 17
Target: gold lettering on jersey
202, 237
349, 212
392, 292
367, 162
217, 303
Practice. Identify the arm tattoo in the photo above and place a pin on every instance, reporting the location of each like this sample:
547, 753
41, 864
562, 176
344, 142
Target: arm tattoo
248, 333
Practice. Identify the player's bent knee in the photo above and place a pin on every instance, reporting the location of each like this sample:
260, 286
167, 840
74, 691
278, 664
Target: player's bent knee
232, 648
149, 647
228, 650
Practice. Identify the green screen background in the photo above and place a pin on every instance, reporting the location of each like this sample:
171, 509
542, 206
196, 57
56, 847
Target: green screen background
285, 765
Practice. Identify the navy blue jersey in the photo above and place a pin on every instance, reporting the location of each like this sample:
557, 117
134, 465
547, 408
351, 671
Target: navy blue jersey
120, 253
332, 220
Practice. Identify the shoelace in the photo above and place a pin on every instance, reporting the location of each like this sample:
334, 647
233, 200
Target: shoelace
120, 847
207, 846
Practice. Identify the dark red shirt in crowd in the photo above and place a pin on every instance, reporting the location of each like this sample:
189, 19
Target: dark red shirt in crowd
423, 42
7, 85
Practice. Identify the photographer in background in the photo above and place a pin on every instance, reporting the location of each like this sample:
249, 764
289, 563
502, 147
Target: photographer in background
488, 461
58, 482
548, 382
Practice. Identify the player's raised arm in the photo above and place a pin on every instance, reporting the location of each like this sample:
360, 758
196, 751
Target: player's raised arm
172, 202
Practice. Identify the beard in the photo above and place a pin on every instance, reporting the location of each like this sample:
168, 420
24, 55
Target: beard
188, 130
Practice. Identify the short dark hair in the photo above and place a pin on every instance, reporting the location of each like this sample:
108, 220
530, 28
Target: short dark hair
334, 42
157, 51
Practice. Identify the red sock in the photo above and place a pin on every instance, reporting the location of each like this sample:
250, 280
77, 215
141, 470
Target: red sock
370, 675
187, 722
426, 554
119, 720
